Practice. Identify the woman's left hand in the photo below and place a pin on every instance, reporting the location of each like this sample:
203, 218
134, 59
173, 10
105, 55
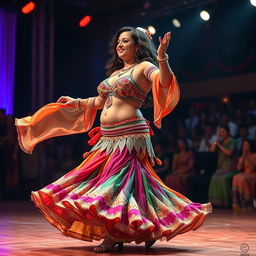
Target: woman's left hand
163, 44
66, 100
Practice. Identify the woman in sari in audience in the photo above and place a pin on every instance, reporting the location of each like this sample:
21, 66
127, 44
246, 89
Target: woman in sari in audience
182, 170
220, 185
244, 183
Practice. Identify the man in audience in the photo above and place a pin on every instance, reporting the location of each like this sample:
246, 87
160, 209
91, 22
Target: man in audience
191, 121
225, 120
243, 135
208, 139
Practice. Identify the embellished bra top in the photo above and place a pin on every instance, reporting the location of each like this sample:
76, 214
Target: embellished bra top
124, 87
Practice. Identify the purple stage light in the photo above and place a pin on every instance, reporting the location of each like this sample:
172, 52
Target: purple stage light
7, 59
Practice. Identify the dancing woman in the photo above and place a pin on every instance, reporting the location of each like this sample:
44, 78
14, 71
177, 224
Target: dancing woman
114, 194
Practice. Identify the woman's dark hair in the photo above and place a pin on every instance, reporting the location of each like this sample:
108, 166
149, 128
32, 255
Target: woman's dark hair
225, 127
145, 52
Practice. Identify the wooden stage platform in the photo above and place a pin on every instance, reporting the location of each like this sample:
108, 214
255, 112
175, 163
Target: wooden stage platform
24, 232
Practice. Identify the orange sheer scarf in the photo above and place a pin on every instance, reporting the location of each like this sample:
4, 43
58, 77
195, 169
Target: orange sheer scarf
165, 99
52, 120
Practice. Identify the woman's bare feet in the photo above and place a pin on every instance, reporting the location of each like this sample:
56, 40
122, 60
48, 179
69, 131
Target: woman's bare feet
107, 246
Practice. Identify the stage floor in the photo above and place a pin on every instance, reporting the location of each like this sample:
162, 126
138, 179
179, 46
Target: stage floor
23, 231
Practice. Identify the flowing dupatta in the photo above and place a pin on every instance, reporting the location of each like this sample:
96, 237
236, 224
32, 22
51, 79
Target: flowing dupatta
52, 120
58, 119
165, 99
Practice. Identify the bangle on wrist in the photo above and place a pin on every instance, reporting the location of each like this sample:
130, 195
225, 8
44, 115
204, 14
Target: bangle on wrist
165, 59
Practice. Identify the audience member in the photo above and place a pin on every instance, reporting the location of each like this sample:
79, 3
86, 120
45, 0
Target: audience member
220, 184
208, 139
238, 117
183, 135
182, 169
200, 128
243, 135
251, 127
191, 121
225, 120
244, 183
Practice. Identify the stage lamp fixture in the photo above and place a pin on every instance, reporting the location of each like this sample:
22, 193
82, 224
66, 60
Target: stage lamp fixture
204, 15
29, 7
253, 2
152, 30
85, 21
176, 23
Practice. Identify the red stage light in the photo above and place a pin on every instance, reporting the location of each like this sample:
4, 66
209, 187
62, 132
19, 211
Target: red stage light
29, 7
85, 21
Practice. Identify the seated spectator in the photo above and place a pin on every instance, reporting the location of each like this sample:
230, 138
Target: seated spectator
208, 139
225, 120
198, 133
243, 135
244, 183
213, 113
250, 122
212, 119
238, 117
183, 135
182, 170
200, 128
220, 184
191, 121
195, 144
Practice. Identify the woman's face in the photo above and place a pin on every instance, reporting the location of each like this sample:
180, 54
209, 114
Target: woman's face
126, 48
223, 133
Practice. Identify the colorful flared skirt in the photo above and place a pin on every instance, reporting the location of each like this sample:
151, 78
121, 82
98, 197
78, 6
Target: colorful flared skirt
115, 192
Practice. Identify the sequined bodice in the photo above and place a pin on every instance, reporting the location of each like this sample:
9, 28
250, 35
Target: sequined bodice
124, 87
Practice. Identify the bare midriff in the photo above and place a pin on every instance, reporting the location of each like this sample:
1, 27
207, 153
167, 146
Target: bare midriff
123, 108
120, 110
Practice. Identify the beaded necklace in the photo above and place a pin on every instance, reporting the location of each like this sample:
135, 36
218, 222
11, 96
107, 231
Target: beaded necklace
123, 70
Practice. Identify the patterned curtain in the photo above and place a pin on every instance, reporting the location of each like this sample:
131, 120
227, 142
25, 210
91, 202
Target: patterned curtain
7, 59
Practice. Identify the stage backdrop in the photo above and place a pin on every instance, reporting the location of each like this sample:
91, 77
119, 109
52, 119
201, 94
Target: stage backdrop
7, 59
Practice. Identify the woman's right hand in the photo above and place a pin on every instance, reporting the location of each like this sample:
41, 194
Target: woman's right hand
66, 100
